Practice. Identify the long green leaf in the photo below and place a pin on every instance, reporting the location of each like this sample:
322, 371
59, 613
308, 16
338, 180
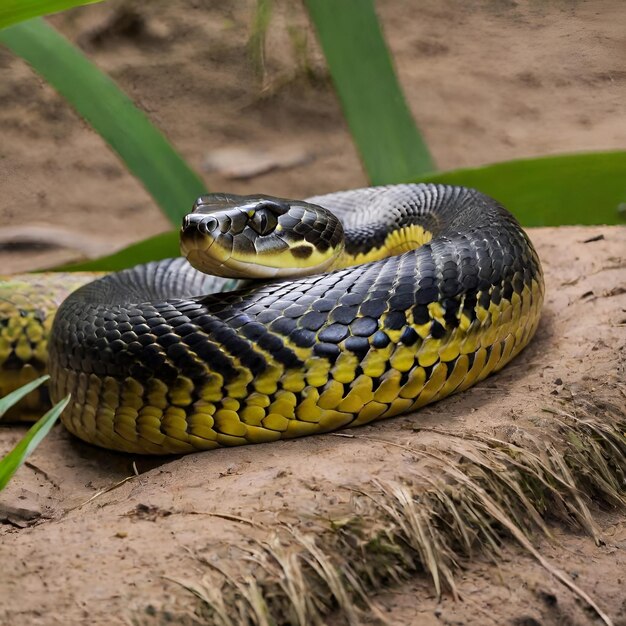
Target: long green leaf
12, 461
145, 151
14, 11
14, 397
582, 189
161, 246
382, 126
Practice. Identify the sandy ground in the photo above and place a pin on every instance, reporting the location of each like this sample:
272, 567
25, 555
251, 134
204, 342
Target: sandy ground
486, 81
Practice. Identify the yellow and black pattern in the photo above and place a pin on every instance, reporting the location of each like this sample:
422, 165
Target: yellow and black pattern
153, 367
27, 307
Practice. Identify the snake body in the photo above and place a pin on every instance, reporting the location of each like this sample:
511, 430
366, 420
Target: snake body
436, 288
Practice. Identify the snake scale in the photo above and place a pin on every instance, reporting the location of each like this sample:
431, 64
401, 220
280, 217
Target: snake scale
402, 295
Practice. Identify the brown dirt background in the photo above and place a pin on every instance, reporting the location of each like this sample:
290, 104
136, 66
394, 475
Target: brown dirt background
486, 81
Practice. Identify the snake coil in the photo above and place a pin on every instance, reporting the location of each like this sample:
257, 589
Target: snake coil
154, 366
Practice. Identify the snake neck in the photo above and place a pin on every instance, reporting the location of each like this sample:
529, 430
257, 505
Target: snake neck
395, 242
380, 222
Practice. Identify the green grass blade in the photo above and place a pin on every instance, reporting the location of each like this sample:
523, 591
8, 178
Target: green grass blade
15, 396
12, 461
582, 189
256, 43
382, 126
14, 11
161, 246
144, 150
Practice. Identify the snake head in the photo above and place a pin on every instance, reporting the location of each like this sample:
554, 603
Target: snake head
260, 236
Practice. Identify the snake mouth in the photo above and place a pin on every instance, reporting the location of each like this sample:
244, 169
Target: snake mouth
207, 241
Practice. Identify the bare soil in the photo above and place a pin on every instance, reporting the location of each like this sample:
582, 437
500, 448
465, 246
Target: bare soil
486, 81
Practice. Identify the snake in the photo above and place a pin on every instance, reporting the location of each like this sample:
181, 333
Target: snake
284, 318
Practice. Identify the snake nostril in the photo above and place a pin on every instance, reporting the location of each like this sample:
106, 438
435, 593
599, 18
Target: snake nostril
208, 225
199, 223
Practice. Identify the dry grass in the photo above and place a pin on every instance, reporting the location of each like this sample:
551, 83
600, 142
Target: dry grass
467, 496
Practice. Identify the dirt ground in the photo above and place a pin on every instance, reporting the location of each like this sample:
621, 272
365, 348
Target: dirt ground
486, 81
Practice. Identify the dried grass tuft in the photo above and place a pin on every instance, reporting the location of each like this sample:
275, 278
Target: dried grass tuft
466, 498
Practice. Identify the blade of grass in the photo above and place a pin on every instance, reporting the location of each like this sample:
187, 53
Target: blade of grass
552, 191
162, 246
144, 150
256, 42
12, 461
14, 11
14, 397
381, 123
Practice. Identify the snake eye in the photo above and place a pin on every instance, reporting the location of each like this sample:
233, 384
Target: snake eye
263, 222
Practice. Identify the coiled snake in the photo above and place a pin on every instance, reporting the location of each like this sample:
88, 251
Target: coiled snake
403, 295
